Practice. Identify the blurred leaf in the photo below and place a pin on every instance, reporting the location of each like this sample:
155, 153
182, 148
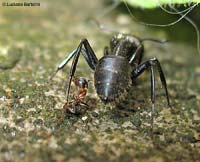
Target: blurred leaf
156, 3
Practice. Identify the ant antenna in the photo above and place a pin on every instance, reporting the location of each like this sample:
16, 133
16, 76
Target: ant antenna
162, 41
109, 9
104, 27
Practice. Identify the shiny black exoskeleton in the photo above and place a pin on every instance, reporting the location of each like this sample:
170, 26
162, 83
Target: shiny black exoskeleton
120, 65
113, 71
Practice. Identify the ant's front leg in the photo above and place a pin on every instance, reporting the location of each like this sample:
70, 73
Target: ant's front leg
106, 51
150, 65
89, 55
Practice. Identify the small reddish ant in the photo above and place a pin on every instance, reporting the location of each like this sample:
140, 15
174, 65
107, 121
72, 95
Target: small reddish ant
77, 105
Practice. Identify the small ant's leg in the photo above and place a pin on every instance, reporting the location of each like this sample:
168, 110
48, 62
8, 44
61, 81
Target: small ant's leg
90, 57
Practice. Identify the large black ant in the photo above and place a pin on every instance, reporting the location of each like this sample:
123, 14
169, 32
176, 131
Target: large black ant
115, 72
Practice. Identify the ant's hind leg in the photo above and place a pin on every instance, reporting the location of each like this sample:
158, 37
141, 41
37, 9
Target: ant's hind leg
150, 65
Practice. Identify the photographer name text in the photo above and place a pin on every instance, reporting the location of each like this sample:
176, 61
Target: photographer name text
20, 4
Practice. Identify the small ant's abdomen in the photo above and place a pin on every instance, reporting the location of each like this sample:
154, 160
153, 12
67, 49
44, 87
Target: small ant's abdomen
112, 78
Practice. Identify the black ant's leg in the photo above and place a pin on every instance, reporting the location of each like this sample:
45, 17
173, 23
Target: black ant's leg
150, 65
90, 57
152, 96
139, 52
137, 55
106, 51
63, 63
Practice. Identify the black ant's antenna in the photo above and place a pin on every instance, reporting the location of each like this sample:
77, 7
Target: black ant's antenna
104, 27
115, 4
109, 29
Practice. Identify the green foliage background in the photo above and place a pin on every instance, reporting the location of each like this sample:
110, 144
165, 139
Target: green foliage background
156, 3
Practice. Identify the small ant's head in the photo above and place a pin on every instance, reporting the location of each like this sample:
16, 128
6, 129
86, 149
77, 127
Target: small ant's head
81, 82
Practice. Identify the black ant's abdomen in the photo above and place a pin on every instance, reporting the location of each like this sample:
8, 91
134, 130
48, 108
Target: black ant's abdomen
112, 78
